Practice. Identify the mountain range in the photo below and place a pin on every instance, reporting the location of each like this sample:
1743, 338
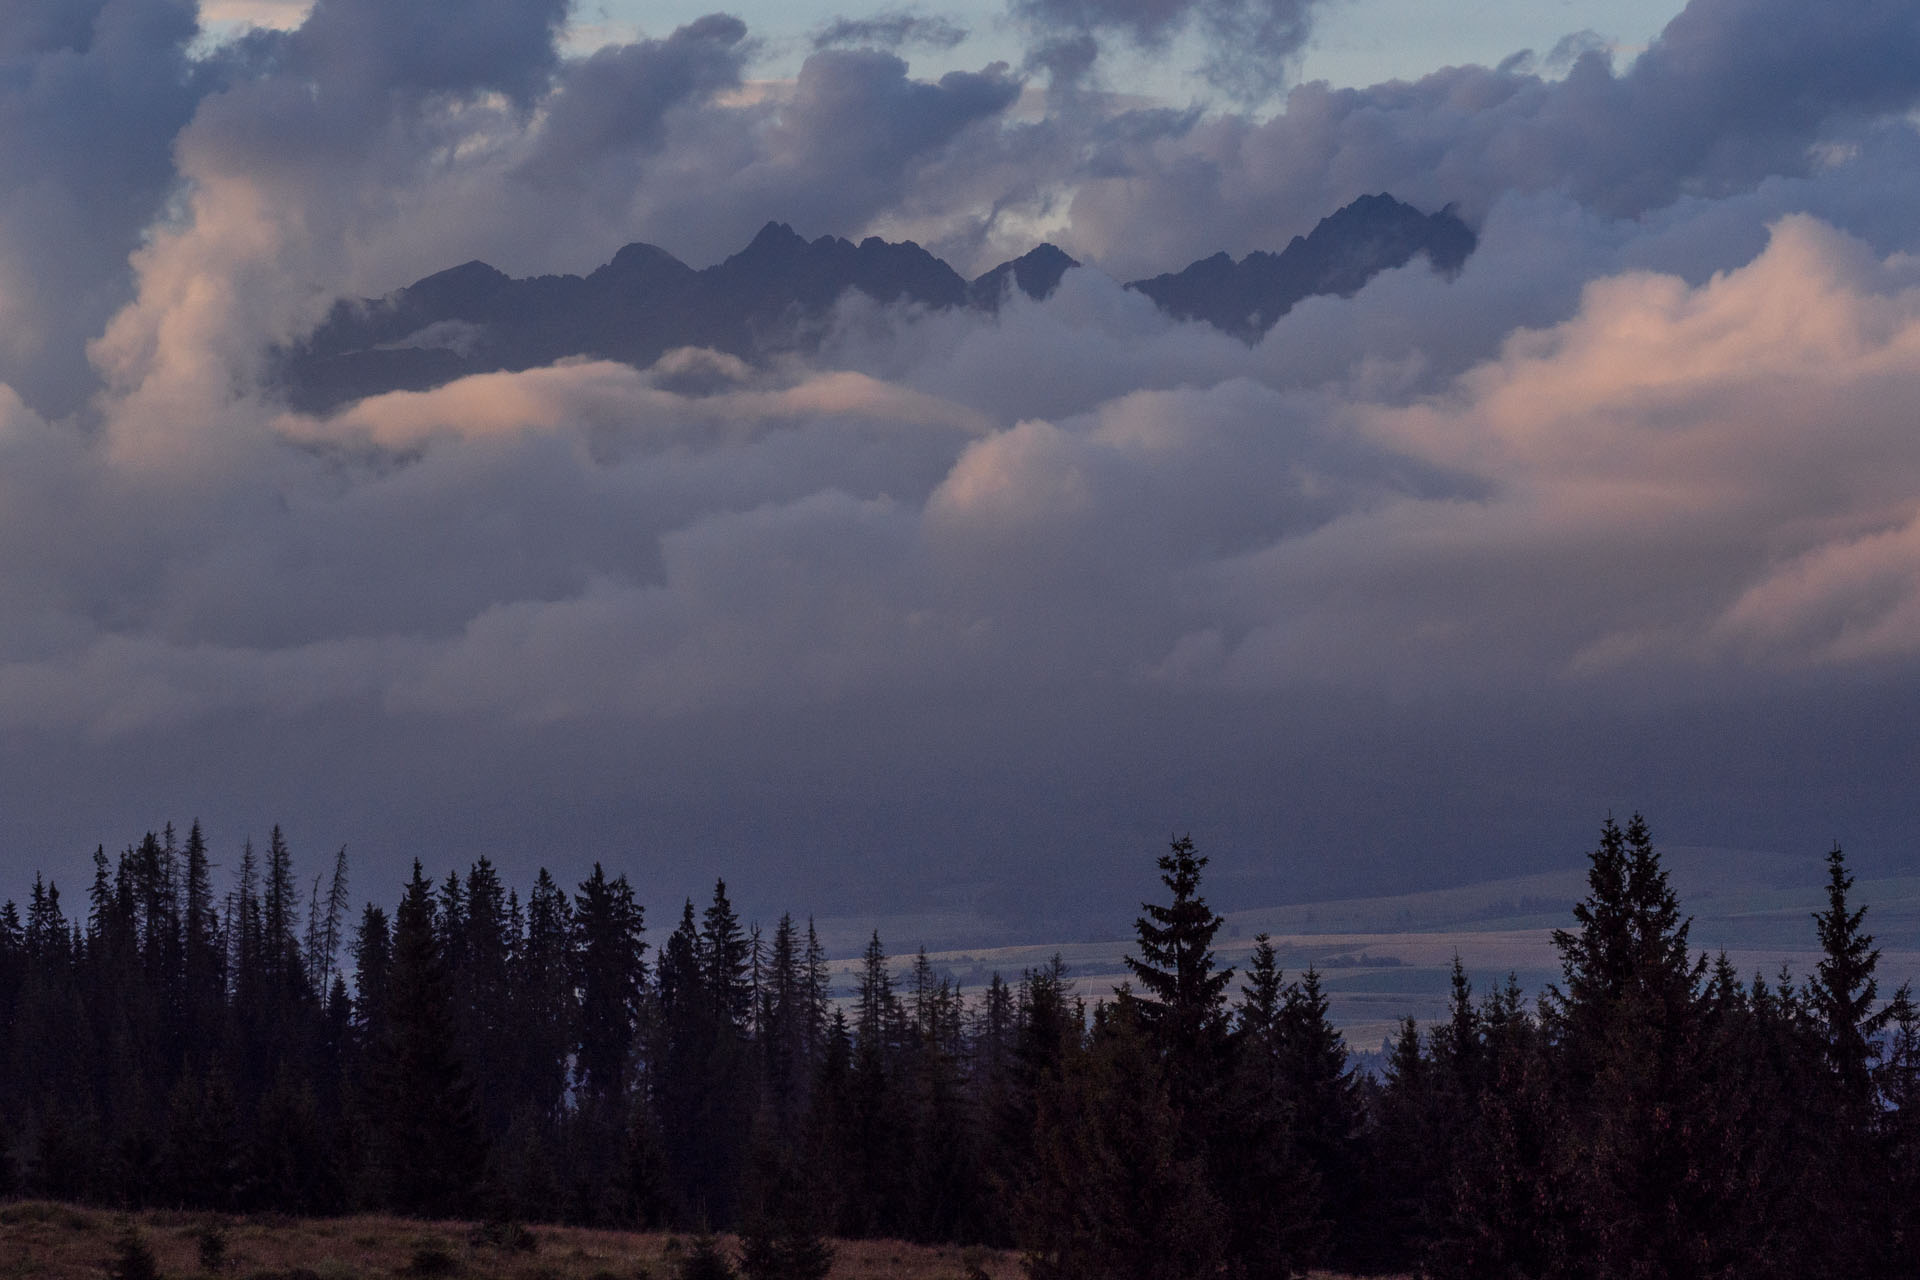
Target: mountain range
775, 295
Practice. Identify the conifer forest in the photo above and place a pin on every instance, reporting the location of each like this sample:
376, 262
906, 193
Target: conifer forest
563, 1056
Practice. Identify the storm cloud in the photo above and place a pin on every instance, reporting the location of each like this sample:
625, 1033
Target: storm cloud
1627, 512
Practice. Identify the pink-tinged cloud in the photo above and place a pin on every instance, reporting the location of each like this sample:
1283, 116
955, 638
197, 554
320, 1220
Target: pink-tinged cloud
1650, 454
585, 395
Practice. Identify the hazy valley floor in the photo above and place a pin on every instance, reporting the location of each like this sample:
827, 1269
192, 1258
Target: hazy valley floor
1384, 958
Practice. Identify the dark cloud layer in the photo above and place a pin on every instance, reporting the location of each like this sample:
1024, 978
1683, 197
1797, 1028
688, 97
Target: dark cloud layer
448, 46
611, 107
892, 29
970, 609
1249, 43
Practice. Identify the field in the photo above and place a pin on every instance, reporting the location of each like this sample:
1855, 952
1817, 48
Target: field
44, 1241
58, 1242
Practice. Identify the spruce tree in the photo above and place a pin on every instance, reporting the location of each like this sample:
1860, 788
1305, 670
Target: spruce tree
546, 1010
483, 1012
204, 965
1183, 1002
878, 1136
429, 1141
1116, 1193
1843, 999
1627, 1041
781, 1238
1844, 994
609, 952
1271, 1193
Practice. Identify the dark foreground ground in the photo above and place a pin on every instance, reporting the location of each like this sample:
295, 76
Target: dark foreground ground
47, 1241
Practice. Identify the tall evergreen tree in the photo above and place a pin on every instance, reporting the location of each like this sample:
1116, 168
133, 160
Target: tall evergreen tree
1256, 1167
1844, 993
1627, 1044
483, 1012
609, 951
202, 959
281, 959
726, 962
1117, 1194
1183, 1002
546, 1010
427, 1137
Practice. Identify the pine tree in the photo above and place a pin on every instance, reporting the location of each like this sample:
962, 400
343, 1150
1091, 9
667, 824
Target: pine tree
1115, 1194
783, 1026
610, 954
1900, 1089
483, 1012
1508, 1213
725, 962
1842, 998
546, 1009
1627, 1038
323, 926
781, 1238
1256, 1168
202, 1144
1324, 1092
705, 1260
1844, 994
429, 1141
281, 960
1183, 1004
819, 995
878, 1135
372, 964
202, 958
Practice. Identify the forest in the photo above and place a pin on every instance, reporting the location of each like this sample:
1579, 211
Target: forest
471, 1053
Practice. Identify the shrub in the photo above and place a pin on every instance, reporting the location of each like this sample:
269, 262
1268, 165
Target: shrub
705, 1261
507, 1235
432, 1259
211, 1243
132, 1259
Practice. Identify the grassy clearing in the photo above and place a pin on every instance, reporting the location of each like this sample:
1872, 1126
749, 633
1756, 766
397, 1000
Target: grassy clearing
47, 1241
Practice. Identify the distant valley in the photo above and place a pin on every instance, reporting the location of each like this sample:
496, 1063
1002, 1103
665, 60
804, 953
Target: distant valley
1384, 958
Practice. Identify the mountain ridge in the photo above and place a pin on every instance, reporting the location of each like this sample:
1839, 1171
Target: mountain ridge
775, 293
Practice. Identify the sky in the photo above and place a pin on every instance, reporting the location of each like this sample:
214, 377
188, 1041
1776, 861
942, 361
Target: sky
969, 613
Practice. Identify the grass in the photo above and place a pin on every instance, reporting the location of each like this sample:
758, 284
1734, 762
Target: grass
46, 1241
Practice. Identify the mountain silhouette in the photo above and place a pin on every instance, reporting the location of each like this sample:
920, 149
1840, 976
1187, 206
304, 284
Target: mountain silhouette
775, 295
1342, 253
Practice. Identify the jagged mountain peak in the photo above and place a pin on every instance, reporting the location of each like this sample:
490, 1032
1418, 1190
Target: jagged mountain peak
773, 295
1344, 250
1035, 273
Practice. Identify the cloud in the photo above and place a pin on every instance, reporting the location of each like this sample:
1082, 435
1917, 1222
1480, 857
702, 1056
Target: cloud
891, 29
1681, 479
90, 100
371, 47
1249, 43
604, 397
611, 105
988, 585
275, 14
1732, 93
